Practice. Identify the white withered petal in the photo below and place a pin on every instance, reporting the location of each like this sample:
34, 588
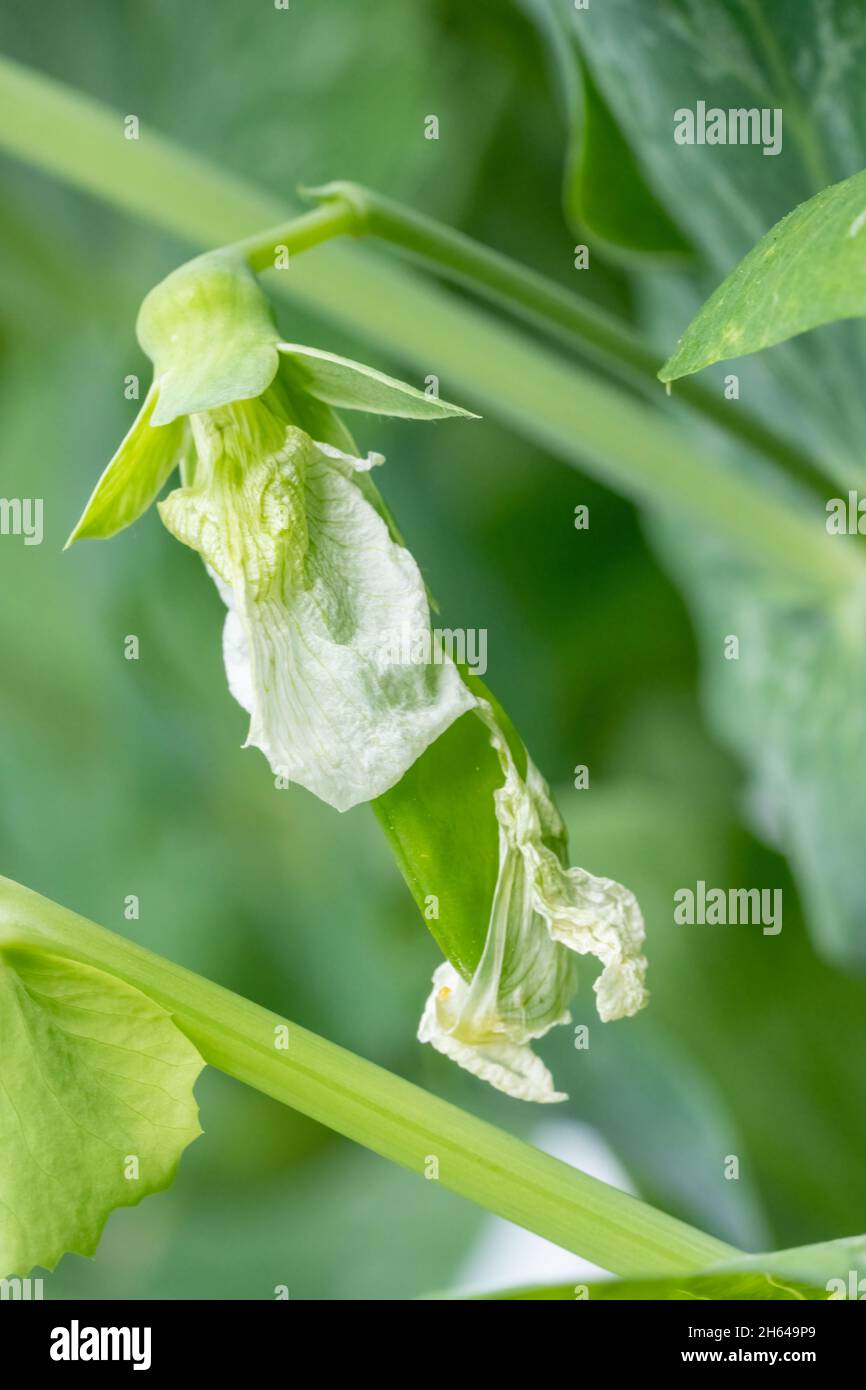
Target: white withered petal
313, 580
449, 1023
542, 913
293, 531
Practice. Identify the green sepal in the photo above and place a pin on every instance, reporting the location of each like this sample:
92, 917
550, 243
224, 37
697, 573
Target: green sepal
145, 460
348, 385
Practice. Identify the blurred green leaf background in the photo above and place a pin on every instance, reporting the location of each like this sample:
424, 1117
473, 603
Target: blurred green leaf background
123, 777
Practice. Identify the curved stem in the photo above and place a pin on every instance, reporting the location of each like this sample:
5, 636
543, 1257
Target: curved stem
592, 424
391, 1116
579, 324
331, 219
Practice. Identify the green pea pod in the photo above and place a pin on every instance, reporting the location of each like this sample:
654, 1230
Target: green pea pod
441, 825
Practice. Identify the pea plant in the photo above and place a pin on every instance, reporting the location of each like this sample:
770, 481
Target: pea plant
328, 644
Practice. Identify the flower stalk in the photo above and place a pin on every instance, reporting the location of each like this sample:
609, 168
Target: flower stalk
576, 323
554, 403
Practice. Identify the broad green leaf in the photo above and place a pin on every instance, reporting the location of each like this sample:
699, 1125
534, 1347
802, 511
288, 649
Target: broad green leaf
352, 386
731, 55
790, 707
605, 191
96, 1105
809, 269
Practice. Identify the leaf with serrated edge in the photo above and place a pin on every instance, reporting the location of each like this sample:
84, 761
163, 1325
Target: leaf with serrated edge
93, 1075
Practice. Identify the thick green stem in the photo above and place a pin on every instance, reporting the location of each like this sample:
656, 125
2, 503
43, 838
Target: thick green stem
551, 401
371, 1106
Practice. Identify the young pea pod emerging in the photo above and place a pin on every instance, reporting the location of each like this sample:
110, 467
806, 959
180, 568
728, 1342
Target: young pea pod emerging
327, 615
541, 914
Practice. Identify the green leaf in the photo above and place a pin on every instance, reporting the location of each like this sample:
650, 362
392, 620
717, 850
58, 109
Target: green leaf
726, 197
145, 460
605, 191
712, 1287
351, 386
809, 269
790, 706
730, 55
96, 1105
824, 1263
830, 1271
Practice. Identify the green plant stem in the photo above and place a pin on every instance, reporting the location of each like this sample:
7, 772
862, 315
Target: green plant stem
373, 1107
577, 323
588, 422
333, 218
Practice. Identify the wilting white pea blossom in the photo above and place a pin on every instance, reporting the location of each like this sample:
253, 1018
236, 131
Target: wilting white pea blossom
300, 545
